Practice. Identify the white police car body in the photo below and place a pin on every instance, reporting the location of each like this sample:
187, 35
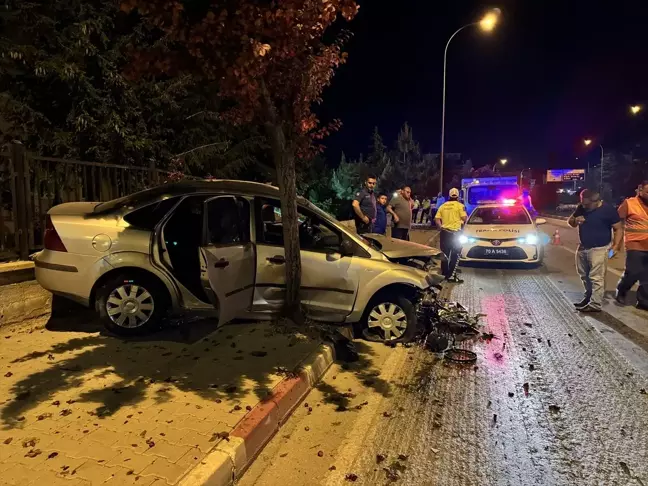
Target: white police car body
501, 232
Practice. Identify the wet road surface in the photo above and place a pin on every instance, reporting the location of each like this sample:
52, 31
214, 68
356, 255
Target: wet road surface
551, 401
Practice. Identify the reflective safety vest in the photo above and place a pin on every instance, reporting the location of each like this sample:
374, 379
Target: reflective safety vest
636, 225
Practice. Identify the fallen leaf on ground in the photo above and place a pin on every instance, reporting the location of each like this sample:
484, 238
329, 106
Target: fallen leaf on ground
29, 443
554, 408
8, 374
52, 455
436, 451
44, 416
332, 468
8, 440
50, 357
33, 453
351, 477
387, 414
320, 454
150, 443
380, 458
403, 457
65, 412
511, 394
259, 354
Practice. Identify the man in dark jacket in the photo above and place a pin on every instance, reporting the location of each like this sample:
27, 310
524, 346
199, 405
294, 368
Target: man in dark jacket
364, 207
380, 227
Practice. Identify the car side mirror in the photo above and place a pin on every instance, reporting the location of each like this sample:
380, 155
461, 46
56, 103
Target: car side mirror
347, 248
541, 221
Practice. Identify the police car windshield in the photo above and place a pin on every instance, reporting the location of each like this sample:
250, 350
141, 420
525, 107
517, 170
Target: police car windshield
500, 215
490, 193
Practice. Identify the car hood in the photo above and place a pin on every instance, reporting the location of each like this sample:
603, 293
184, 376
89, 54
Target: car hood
394, 248
498, 231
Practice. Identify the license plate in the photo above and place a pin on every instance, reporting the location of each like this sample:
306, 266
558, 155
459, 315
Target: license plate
496, 251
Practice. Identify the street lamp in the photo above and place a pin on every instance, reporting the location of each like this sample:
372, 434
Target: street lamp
486, 24
501, 161
588, 142
635, 109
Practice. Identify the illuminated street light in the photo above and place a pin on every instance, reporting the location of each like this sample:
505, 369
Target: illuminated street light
634, 109
501, 161
587, 141
486, 24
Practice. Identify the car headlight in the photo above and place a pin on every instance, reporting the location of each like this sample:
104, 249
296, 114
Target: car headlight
529, 240
463, 239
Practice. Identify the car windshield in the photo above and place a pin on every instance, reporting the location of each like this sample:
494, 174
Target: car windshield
491, 193
500, 215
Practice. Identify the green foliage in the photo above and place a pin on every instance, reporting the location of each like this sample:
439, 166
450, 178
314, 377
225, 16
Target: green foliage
62, 93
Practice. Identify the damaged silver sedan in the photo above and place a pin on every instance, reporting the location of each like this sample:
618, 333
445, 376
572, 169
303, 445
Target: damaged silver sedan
218, 247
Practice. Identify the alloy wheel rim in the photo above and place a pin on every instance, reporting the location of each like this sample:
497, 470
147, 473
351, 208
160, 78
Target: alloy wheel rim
130, 306
389, 319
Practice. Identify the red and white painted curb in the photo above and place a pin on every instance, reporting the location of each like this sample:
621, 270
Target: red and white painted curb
229, 458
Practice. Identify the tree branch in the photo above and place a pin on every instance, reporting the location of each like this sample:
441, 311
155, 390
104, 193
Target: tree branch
200, 148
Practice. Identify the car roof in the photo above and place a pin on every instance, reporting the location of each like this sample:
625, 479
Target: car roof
499, 205
186, 187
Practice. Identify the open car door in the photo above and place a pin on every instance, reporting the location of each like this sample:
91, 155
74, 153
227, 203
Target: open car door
227, 256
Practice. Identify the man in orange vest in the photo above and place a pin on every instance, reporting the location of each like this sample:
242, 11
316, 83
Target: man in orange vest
634, 211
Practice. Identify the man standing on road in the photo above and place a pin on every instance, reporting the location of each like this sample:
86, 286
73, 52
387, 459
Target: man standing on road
595, 221
634, 211
416, 205
450, 217
381, 215
425, 210
364, 207
400, 207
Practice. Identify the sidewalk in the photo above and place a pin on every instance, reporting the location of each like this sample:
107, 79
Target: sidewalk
81, 407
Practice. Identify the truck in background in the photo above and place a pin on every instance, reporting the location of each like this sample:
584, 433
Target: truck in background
485, 190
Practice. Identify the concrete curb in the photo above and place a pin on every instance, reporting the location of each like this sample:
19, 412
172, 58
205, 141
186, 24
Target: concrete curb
22, 301
229, 458
16, 272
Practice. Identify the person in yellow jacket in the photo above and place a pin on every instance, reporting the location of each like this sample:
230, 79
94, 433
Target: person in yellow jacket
634, 211
450, 217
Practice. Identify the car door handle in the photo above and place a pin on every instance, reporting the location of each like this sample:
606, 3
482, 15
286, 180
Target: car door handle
277, 260
221, 264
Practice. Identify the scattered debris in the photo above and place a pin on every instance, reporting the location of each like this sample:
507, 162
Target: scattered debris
8, 374
44, 416
219, 435
387, 414
526, 389
549, 342
531, 367
643, 391
320, 454
283, 455
487, 336
150, 443
554, 408
33, 453
403, 457
528, 324
351, 477
306, 429
498, 356
332, 468
494, 418
259, 354
52, 455
380, 458
29, 443
248, 408
8, 440
65, 412
436, 451
50, 357
511, 394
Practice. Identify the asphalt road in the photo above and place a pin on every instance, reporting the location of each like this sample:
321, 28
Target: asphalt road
582, 419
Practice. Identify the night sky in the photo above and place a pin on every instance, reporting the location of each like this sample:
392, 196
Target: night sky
552, 73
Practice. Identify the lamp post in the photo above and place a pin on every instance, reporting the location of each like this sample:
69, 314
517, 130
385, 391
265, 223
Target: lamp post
588, 142
635, 109
486, 24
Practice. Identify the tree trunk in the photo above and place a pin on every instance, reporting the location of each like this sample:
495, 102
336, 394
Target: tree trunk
283, 153
288, 195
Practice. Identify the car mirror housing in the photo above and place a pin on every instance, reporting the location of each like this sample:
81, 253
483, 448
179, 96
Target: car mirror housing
346, 248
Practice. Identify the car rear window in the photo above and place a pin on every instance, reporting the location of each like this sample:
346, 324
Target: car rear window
500, 215
149, 216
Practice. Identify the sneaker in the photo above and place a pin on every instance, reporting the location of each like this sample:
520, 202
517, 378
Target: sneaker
589, 308
454, 279
581, 304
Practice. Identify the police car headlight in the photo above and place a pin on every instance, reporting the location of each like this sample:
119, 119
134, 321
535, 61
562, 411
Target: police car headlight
529, 240
463, 239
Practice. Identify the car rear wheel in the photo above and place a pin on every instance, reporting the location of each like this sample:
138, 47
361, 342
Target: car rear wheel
132, 305
389, 317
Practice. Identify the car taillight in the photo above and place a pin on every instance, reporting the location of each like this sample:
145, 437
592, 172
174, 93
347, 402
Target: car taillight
52, 240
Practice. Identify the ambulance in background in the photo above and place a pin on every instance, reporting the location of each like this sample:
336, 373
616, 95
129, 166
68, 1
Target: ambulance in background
489, 190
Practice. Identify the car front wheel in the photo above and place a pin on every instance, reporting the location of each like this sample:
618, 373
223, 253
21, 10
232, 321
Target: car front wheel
132, 305
389, 317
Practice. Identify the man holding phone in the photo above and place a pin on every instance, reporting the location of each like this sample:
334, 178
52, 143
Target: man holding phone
596, 221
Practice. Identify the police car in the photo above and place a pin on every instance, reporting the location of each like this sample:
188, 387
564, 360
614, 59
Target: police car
501, 232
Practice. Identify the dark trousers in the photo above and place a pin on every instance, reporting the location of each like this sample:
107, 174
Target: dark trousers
636, 269
414, 215
400, 233
363, 228
451, 247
